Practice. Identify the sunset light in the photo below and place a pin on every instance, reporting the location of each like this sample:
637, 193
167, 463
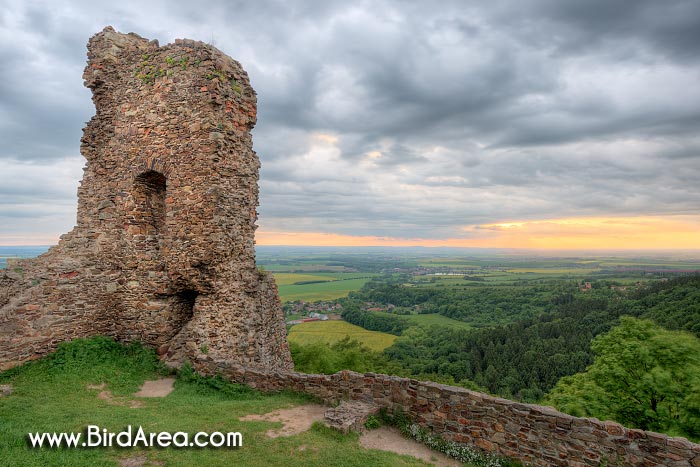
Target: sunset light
634, 233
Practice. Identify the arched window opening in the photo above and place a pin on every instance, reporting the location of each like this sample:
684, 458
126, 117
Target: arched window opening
183, 308
149, 199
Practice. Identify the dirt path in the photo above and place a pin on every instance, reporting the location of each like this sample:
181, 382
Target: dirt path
295, 420
298, 419
389, 439
157, 388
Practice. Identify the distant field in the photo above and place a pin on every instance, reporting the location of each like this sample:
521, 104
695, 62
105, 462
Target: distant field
652, 264
429, 319
346, 275
489, 279
507, 276
320, 291
303, 267
446, 281
286, 278
521, 276
333, 331
439, 262
586, 270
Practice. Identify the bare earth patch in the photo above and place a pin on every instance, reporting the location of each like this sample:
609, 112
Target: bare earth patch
138, 461
295, 420
108, 397
157, 388
389, 439
5, 390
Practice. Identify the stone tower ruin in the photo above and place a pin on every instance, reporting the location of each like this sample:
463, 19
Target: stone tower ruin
163, 251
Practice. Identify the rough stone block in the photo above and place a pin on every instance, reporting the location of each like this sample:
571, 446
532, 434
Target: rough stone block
350, 415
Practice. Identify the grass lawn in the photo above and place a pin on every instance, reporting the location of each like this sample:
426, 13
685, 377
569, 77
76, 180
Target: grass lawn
51, 395
333, 331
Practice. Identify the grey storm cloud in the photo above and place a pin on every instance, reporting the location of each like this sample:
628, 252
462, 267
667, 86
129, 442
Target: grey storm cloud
405, 119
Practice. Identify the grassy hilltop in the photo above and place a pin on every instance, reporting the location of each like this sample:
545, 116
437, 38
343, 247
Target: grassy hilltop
54, 395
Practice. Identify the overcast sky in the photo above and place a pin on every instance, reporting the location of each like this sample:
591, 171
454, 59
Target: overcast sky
400, 119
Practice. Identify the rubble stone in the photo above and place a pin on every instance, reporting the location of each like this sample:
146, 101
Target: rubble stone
350, 415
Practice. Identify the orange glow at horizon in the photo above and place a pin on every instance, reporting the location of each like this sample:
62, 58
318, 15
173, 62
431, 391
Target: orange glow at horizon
633, 233
586, 233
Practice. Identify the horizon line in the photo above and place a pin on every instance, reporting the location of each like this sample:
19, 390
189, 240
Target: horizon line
452, 247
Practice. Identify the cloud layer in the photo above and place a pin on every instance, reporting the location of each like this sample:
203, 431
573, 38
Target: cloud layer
393, 119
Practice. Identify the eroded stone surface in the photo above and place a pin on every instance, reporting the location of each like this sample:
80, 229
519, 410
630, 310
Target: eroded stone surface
163, 248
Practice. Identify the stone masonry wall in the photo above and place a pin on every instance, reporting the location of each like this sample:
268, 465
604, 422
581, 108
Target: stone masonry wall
163, 251
534, 434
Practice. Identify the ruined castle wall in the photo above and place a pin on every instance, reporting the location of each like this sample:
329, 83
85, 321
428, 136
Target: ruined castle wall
163, 251
533, 434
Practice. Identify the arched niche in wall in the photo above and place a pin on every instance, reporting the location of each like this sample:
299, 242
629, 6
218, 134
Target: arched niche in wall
149, 203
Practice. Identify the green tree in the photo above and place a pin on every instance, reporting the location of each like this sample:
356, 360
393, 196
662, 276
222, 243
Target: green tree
642, 376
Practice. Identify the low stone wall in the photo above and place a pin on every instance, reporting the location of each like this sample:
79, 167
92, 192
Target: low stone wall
531, 433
